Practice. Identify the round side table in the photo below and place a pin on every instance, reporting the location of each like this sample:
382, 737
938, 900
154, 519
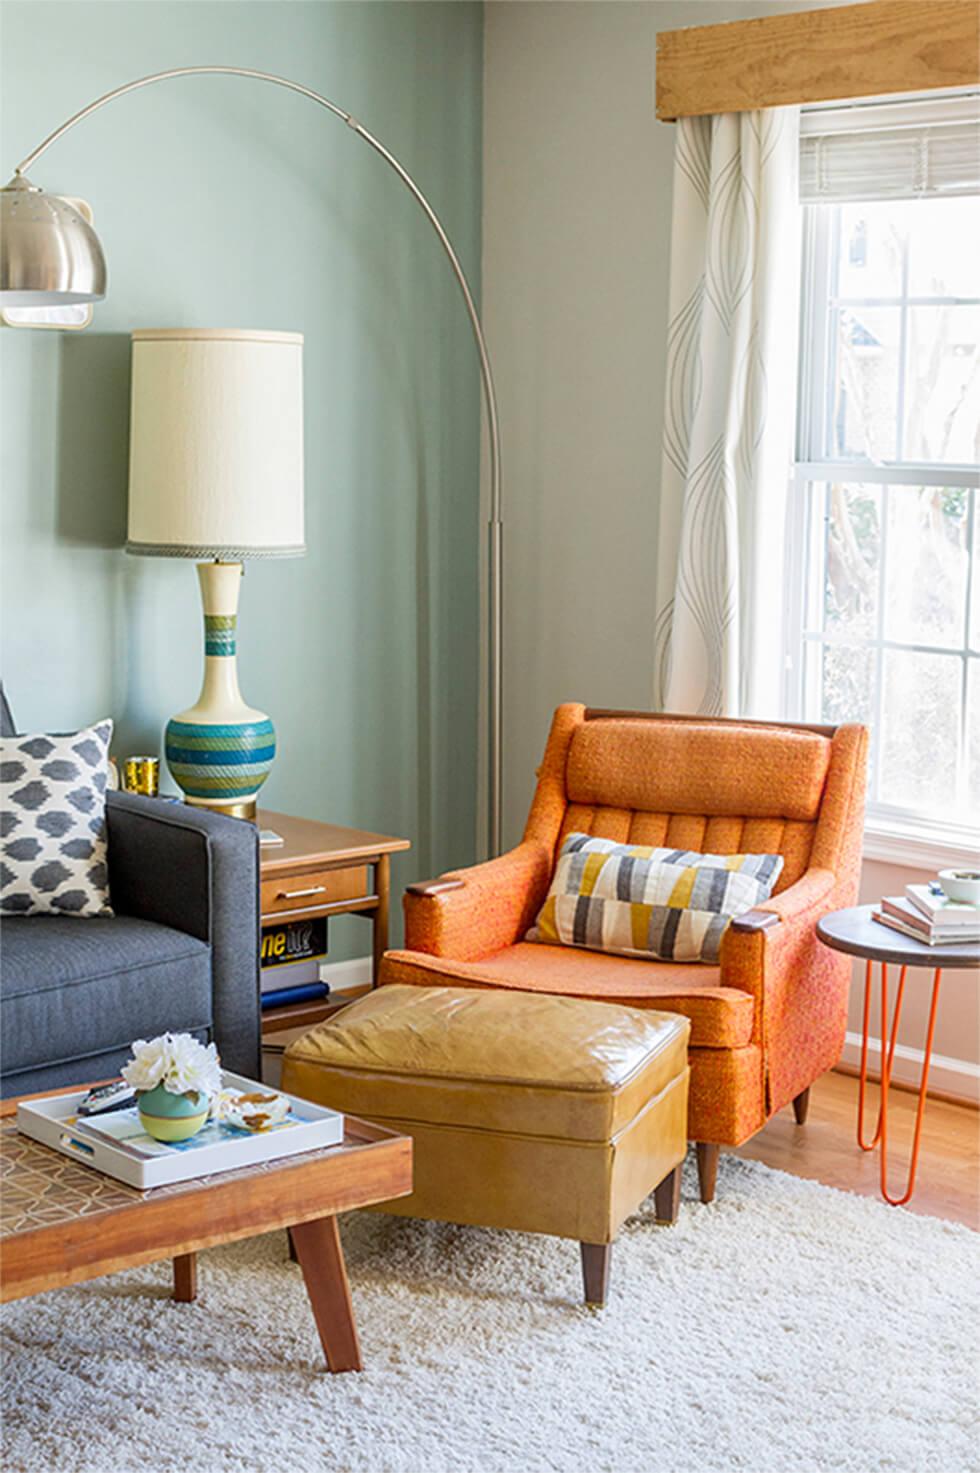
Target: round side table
853, 931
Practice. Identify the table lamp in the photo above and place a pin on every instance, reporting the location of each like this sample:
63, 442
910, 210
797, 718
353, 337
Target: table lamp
216, 474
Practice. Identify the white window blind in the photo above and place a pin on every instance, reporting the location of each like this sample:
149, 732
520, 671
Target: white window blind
896, 150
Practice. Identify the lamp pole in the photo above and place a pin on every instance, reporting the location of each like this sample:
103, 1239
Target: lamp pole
494, 524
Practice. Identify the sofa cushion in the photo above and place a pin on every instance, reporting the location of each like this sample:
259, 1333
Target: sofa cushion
532, 1065
668, 766
70, 988
720, 1017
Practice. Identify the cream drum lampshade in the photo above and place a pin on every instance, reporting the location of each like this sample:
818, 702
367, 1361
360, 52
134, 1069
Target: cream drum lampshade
216, 474
216, 444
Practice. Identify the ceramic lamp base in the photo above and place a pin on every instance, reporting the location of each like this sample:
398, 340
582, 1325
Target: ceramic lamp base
220, 750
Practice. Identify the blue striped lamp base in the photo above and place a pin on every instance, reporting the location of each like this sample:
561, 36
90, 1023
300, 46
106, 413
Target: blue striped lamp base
221, 766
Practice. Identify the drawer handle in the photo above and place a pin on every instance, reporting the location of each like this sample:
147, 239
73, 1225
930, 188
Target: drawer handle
299, 894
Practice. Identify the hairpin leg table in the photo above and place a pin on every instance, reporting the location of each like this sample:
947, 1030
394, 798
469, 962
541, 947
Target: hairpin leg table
853, 931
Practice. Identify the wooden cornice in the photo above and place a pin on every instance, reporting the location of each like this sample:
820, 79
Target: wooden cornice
870, 50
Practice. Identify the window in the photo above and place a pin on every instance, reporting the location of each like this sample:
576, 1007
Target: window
884, 587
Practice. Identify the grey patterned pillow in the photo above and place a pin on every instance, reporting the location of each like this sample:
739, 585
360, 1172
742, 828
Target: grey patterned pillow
52, 823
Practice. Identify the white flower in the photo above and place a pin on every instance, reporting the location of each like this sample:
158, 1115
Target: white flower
177, 1061
148, 1064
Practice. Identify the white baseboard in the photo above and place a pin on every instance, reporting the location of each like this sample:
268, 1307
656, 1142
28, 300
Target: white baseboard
956, 1077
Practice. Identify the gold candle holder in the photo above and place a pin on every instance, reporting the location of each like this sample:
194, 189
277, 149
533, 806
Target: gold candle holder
142, 775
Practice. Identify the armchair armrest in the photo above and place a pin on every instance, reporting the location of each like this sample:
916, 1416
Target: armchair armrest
476, 912
755, 920
196, 872
763, 950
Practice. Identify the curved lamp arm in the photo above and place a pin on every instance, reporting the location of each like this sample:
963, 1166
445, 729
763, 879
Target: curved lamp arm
494, 567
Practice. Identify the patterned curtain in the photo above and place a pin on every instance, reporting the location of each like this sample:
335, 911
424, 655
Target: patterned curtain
729, 414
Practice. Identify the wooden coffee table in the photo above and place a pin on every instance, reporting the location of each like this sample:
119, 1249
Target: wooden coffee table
62, 1222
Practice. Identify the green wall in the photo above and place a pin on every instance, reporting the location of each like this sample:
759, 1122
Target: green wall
226, 203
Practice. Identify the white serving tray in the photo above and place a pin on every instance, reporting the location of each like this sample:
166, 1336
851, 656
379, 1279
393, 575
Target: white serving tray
54, 1122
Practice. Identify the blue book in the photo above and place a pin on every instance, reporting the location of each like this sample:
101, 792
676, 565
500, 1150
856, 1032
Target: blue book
307, 993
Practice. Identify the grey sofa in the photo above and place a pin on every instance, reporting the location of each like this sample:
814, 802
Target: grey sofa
181, 953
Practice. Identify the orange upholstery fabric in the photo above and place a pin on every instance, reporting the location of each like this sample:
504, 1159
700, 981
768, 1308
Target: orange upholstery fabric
721, 1017
686, 767
771, 1019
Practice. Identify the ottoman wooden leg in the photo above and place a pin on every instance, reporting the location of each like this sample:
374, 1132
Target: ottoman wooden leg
707, 1169
596, 1259
185, 1278
801, 1106
667, 1197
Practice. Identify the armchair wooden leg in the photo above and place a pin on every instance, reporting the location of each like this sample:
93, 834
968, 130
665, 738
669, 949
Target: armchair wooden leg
801, 1106
596, 1261
667, 1197
707, 1169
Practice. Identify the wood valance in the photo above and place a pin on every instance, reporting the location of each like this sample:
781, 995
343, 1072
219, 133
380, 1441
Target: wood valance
876, 49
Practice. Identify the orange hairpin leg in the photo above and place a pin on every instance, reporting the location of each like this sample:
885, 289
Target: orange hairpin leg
863, 1079
923, 1085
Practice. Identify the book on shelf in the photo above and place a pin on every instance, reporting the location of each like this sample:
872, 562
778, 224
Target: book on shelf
929, 936
286, 942
306, 992
300, 974
932, 902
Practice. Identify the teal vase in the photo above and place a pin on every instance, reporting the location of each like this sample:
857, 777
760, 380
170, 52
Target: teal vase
170, 1117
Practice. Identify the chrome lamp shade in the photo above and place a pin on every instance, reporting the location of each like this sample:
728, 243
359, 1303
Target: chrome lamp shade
49, 254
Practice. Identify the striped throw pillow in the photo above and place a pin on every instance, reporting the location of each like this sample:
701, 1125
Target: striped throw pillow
633, 900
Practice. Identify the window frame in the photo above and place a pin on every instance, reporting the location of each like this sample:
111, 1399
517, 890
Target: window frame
896, 833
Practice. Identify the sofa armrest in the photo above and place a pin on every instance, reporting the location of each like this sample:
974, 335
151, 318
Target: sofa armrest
476, 912
196, 872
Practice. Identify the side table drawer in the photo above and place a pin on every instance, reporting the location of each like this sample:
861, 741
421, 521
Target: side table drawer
284, 893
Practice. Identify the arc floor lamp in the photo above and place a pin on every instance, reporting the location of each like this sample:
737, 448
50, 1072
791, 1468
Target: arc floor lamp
50, 256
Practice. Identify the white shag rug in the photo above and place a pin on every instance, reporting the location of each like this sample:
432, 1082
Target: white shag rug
786, 1328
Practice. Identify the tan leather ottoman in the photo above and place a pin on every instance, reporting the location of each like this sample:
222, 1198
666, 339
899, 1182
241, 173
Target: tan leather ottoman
530, 1111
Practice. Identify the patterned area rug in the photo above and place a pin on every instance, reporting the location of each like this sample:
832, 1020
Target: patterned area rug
786, 1328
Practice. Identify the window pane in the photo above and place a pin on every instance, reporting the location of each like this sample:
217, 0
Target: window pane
872, 240
975, 577
851, 559
847, 683
973, 742
864, 389
925, 599
919, 736
942, 385
942, 246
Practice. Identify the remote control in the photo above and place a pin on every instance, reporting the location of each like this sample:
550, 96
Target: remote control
118, 1095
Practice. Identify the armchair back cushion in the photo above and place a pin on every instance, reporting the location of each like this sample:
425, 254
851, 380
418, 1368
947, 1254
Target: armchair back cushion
690, 785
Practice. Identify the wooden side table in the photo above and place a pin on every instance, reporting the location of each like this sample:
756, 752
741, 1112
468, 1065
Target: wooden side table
854, 932
322, 869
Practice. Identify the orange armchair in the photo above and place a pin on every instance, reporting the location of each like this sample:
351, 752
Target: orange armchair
770, 1018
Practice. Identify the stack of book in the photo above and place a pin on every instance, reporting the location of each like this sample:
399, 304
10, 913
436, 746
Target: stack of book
926, 913
293, 953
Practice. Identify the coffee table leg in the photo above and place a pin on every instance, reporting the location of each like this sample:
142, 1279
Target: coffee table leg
321, 1258
185, 1278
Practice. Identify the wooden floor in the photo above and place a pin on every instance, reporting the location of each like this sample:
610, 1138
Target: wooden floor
826, 1149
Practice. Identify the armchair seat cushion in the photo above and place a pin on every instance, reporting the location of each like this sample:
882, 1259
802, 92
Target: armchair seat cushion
73, 988
720, 1017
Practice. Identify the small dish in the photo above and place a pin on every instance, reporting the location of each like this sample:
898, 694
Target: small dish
961, 884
